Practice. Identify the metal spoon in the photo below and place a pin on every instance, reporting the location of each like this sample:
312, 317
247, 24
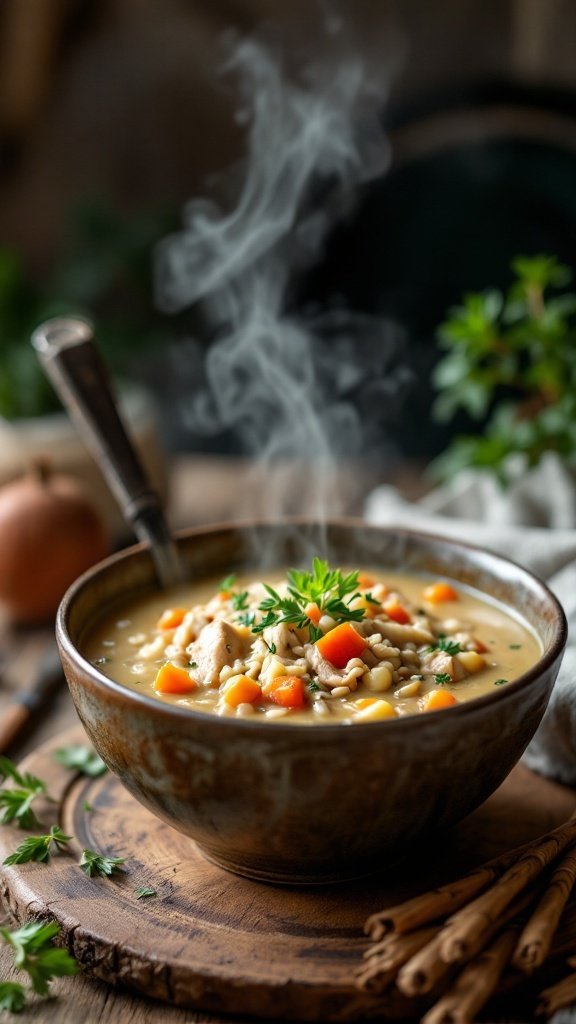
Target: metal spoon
65, 347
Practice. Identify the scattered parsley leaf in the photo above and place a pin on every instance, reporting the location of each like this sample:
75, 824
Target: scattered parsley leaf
442, 679
313, 686
95, 864
228, 582
35, 953
247, 619
17, 803
81, 759
86, 806
193, 664
500, 682
144, 891
38, 847
450, 647
514, 647
12, 996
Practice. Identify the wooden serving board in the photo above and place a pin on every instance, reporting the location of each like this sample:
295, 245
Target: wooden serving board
213, 941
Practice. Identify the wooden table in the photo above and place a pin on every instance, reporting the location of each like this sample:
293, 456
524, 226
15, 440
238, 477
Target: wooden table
525, 806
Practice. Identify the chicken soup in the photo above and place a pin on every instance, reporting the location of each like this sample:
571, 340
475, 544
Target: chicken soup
314, 647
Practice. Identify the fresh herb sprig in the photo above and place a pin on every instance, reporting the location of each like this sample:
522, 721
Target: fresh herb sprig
96, 864
36, 954
16, 803
82, 759
38, 847
330, 589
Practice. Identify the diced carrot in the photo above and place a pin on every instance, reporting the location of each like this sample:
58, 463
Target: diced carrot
224, 595
436, 700
287, 691
313, 612
365, 580
241, 689
340, 644
397, 612
172, 679
440, 591
478, 646
170, 618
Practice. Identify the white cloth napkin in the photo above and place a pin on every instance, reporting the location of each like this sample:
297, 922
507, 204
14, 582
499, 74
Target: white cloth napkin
534, 524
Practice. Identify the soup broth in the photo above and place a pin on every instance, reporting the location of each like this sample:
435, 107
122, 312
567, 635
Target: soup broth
313, 648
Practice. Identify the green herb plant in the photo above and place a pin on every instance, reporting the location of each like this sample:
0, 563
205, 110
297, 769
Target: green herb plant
96, 864
36, 955
82, 759
16, 802
38, 847
510, 361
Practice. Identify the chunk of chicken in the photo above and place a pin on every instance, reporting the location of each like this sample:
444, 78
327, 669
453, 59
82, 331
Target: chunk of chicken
281, 639
439, 663
219, 644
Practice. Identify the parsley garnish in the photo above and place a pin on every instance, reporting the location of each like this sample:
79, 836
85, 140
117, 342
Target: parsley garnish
228, 582
17, 803
12, 996
442, 679
313, 686
38, 847
247, 618
35, 953
515, 647
500, 682
240, 601
143, 891
328, 588
94, 864
82, 759
450, 647
86, 806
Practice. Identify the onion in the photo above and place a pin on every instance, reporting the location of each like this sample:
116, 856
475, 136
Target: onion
50, 532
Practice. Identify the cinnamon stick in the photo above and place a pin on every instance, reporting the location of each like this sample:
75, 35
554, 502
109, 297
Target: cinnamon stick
424, 970
438, 903
475, 983
465, 929
535, 941
384, 960
557, 996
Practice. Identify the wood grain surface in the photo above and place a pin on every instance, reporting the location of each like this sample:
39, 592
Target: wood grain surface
216, 943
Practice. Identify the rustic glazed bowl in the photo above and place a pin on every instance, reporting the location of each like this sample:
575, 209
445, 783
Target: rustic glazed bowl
301, 803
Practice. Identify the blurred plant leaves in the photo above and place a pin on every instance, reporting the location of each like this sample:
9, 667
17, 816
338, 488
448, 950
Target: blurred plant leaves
511, 358
104, 272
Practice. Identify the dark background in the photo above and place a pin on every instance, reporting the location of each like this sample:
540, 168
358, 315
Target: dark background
113, 114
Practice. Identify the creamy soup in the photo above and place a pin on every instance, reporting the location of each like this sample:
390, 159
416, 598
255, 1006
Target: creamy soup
314, 647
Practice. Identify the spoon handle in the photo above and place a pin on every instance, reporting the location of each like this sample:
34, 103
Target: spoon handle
65, 347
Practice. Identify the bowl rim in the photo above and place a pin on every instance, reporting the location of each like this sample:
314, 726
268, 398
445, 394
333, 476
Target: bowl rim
170, 711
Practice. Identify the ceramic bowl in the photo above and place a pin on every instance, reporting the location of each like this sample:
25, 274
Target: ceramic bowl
303, 804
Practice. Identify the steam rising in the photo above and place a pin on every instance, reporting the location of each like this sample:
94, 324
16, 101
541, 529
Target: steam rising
285, 381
